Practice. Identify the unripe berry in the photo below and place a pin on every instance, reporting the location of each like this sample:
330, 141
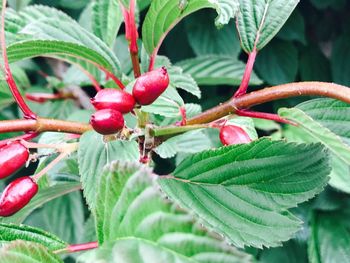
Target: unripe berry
12, 157
113, 99
150, 86
232, 134
107, 121
17, 195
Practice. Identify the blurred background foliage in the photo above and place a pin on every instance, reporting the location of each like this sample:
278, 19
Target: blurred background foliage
312, 46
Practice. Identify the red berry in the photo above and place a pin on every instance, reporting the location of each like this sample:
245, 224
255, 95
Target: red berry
12, 157
17, 195
113, 99
107, 121
150, 86
232, 134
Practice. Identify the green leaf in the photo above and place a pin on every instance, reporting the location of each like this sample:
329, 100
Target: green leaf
63, 216
206, 39
313, 65
41, 35
144, 227
168, 104
294, 28
107, 19
27, 252
162, 16
330, 238
226, 9
323, 4
11, 232
340, 61
326, 121
94, 154
216, 70
181, 80
42, 197
243, 191
260, 20
278, 62
189, 142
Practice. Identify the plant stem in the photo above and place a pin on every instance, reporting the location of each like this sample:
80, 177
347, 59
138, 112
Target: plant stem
247, 73
59, 158
77, 248
246, 101
27, 112
42, 125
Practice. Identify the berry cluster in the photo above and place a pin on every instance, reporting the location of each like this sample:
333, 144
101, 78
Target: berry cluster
111, 104
20, 191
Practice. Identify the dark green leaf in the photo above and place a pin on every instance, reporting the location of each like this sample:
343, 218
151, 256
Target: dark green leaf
244, 191
278, 62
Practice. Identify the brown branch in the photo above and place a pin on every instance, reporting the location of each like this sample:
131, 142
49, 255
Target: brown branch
43, 125
322, 89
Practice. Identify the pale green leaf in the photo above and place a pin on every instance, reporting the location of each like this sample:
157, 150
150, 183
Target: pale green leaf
107, 19
27, 252
42, 197
326, 121
11, 232
260, 20
162, 16
134, 222
94, 154
216, 70
190, 142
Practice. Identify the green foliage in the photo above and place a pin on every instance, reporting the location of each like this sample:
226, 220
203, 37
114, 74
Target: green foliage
27, 252
94, 154
211, 198
244, 191
135, 223
11, 232
259, 21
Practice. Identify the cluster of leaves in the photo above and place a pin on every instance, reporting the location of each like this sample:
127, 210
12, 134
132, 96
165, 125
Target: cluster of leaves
215, 200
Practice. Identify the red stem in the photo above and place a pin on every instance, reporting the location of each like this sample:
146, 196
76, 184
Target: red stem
27, 112
82, 247
263, 115
247, 73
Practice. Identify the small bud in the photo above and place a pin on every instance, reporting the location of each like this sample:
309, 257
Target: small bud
12, 157
150, 86
17, 195
113, 99
107, 121
232, 134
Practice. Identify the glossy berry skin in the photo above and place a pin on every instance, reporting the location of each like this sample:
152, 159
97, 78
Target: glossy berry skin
17, 195
149, 86
232, 134
113, 99
12, 157
107, 121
